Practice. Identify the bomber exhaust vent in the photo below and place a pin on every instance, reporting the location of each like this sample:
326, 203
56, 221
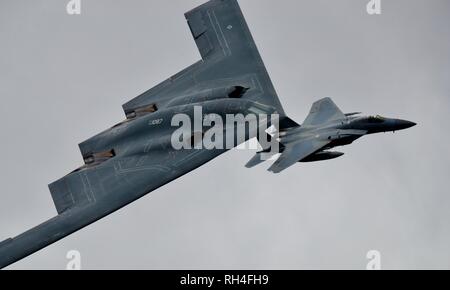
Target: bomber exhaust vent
142, 111
238, 92
97, 158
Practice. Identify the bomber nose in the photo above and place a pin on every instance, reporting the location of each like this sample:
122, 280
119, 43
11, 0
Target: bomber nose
403, 124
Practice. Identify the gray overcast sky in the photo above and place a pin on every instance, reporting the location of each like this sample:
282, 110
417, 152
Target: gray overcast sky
64, 78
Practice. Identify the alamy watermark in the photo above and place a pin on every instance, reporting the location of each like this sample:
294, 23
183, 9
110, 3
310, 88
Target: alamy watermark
374, 7
213, 132
74, 258
74, 7
374, 258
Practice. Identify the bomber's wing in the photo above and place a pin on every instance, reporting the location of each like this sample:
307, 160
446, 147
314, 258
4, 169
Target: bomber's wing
89, 194
323, 111
229, 58
129, 177
295, 152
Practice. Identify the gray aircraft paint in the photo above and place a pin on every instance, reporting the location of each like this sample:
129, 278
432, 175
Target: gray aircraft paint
410, 100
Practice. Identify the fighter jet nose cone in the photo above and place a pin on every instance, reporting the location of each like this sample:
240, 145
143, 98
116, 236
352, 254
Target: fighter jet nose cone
403, 124
408, 124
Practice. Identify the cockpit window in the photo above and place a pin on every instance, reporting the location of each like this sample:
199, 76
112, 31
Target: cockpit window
376, 119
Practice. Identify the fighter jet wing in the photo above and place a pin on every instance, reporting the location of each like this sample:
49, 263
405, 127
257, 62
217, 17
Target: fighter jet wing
296, 152
322, 111
229, 58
